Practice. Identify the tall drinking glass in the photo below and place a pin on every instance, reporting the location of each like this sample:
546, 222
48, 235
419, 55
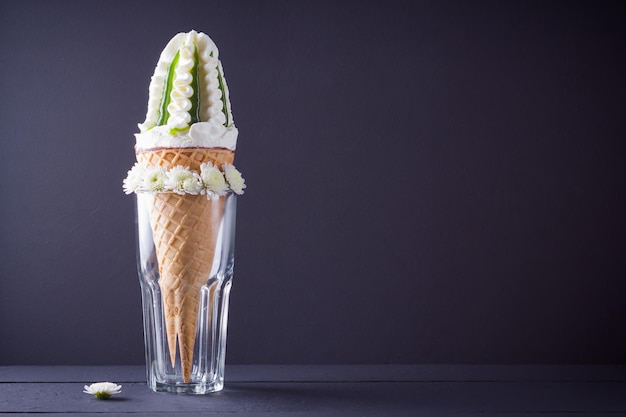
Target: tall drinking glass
185, 272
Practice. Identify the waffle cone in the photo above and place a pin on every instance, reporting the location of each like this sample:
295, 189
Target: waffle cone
184, 229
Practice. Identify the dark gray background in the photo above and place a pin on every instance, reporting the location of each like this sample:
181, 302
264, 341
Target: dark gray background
428, 182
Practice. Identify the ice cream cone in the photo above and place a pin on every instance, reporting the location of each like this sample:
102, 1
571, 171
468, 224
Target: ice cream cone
185, 229
189, 122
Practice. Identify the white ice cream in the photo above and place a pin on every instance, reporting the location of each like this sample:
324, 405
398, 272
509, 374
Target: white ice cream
180, 118
199, 135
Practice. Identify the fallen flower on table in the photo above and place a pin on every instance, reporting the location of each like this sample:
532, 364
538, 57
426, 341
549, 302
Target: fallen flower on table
102, 390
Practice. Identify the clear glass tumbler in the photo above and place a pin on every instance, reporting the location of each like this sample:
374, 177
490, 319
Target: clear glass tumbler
185, 255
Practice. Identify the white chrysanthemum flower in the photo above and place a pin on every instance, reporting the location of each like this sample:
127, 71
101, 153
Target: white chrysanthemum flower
181, 180
212, 180
102, 390
234, 179
134, 179
154, 179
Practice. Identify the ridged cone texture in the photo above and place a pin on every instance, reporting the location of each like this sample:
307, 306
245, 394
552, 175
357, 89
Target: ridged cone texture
184, 229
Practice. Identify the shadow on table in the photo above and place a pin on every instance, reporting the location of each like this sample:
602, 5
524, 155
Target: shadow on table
316, 396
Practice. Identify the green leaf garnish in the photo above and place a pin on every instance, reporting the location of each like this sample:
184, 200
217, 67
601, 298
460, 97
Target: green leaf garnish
164, 114
220, 80
175, 130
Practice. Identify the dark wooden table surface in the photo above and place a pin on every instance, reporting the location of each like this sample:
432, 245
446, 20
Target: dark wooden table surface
302, 390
